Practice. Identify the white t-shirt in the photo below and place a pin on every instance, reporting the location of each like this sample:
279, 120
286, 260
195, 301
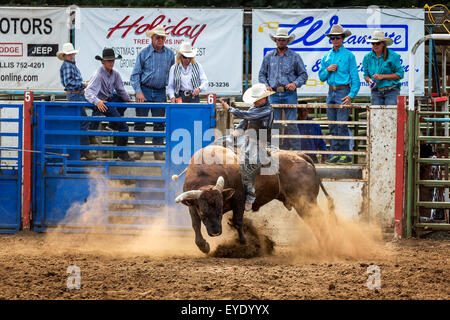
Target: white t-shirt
185, 80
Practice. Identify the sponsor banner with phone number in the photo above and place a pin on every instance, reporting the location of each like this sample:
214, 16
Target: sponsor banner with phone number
216, 33
404, 26
29, 40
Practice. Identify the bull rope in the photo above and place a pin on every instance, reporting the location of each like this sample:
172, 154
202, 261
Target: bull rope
23, 150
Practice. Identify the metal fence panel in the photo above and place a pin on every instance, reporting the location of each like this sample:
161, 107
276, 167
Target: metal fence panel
11, 125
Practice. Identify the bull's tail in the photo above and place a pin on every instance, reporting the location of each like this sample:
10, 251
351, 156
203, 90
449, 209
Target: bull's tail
175, 177
329, 198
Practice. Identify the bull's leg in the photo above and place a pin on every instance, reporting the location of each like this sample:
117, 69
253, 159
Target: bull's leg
196, 224
238, 217
304, 207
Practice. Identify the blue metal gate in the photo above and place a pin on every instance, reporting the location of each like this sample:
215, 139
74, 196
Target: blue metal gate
72, 194
10, 166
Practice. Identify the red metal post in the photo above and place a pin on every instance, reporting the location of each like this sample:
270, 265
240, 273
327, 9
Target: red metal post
399, 166
27, 145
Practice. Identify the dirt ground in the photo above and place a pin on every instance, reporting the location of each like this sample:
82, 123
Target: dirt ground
157, 266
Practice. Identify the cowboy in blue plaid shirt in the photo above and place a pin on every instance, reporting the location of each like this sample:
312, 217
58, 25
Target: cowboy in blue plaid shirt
74, 85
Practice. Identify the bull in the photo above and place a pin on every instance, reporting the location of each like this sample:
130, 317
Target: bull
212, 189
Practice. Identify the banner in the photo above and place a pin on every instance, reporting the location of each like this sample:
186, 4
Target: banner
404, 26
29, 40
217, 33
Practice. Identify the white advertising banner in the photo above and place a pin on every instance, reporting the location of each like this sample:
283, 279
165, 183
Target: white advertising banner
404, 26
216, 33
29, 40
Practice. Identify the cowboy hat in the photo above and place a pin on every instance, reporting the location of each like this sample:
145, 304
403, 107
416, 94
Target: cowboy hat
337, 30
283, 33
378, 36
160, 31
67, 48
255, 93
108, 54
187, 51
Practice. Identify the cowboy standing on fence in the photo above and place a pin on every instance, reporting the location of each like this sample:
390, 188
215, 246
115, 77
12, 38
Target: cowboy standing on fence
255, 121
283, 72
149, 80
74, 86
101, 90
339, 69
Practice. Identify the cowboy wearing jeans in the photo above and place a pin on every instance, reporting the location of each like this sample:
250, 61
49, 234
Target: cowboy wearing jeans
259, 117
74, 85
100, 91
338, 68
186, 77
283, 72
383, 70
149, 80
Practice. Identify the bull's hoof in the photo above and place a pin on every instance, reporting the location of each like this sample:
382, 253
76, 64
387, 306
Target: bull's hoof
203, 246
243, 239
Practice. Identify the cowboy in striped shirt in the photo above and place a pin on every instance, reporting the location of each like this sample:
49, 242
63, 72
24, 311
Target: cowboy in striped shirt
186, 77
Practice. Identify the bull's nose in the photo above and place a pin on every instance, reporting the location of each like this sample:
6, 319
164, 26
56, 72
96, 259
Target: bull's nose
215, 234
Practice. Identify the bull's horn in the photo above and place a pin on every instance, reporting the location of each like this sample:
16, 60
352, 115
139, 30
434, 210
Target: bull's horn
188, 195
220, 183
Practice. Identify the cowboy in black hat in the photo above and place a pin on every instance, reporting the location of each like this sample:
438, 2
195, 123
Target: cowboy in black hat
100, 91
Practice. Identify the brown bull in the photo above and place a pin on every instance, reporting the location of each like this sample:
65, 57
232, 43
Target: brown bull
212, 189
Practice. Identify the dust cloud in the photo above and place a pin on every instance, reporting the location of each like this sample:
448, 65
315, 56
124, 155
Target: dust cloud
320, 236
273, 230
87, 228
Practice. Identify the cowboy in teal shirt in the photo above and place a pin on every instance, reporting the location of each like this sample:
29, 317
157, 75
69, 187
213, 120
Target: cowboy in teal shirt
374, 65
383, 70
346, 73
338, 68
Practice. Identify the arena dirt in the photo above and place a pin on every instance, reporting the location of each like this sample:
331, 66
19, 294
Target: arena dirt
313, 258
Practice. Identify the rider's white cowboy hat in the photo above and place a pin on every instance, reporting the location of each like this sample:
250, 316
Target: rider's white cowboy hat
187, 50
159, 31
67, 48
283, 33
378, 36
258, 91
337, 30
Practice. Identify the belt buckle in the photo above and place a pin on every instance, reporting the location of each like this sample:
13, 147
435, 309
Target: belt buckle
187, 93
280, 89
333, 88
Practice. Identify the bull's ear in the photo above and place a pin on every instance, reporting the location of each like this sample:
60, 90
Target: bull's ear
227, 193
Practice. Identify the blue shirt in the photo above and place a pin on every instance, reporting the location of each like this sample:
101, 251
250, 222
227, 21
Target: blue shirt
152, 68
346, 73
310, 143
70, 77
374, 65
102, 85
279, 71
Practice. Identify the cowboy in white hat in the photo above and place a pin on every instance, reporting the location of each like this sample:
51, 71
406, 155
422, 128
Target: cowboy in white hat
149, 79
186, 77
74, 86
338, 68
258, 117
382, 70
283, 71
